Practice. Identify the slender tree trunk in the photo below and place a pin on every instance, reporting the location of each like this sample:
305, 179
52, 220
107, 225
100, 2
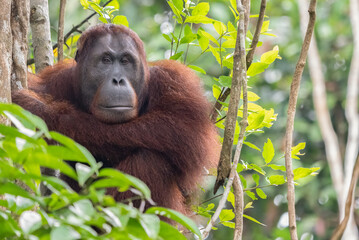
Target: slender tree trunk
41, 34
20, 12
5, 54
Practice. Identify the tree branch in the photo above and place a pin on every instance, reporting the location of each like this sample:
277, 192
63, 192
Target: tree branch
257, 33
290, 121
239, 79
338, 232
60, 32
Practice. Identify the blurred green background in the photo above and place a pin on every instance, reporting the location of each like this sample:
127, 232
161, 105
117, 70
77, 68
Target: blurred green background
316, 202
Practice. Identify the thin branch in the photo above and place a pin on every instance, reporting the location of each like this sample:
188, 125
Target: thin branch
238, 208
239, 80
290, 121
338, 232
257, 33
60, 32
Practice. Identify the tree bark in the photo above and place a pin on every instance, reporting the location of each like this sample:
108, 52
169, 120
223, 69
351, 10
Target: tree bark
41, 34
5, 56
20, 12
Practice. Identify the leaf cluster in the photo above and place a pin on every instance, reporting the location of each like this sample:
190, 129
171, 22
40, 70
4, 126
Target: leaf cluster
25, 213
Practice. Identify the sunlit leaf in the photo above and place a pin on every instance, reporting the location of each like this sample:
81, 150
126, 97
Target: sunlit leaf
256, 68
199, 19
253, 219
261, 194
201, 9
120, 20
251, 195
277, 180
226, 215
198, 69
268, 151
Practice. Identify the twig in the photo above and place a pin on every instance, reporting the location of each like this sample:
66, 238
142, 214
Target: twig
338, 232
60, 32
257, 33
290, 121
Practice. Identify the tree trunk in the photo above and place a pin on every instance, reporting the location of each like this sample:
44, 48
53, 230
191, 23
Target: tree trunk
20, 12
5, 56
41, 35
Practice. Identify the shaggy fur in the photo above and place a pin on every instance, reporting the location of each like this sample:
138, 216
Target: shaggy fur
167, 146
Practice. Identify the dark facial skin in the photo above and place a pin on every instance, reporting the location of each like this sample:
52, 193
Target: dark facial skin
112, 79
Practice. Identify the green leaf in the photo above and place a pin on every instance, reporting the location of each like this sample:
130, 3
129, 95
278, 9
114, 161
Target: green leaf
226, 215
256, 168
220, 27
251, 195
85, 4
270, 56
303, 172
277, 180
196, 68
216, 91
176, 216
30, 221
277, 167
176, 56
229, 43
260, 193
97, 8
120, 20
251, 145
167, 231
229, 224
199, 19
265, 26
251, 96
208, 36
125, 178
115, 4
268, 151
296, 150
77, 148
13, 189
176, 12
256, 178
256, 68
167, 37
201, 9
64, 232
84, 172
231, 198
203, 42
253, 219
225, 81
255, 120
151, 225
28, 120
178, 4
